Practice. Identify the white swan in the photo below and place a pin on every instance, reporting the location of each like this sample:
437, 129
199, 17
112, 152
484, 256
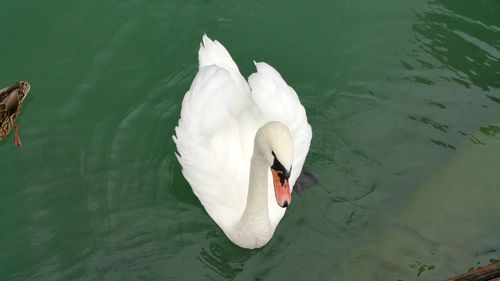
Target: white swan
241, 145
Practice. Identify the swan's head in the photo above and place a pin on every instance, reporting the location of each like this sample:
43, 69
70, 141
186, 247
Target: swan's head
276, 144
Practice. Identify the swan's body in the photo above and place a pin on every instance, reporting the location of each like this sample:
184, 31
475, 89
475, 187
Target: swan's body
227, 144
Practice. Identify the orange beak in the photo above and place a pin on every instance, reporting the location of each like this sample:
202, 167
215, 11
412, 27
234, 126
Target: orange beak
281, 188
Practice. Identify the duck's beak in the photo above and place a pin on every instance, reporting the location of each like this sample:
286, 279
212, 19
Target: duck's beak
281, 188
24, 88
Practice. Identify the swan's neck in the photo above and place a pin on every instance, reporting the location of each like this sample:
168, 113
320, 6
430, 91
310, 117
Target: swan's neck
254, 228
256, 210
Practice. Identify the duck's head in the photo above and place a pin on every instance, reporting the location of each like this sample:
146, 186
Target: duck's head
24, 88
276, 144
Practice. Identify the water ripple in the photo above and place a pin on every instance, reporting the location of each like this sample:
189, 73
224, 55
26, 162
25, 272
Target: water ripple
445, 33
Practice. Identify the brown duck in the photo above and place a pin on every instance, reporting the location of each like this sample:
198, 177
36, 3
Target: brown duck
11, 100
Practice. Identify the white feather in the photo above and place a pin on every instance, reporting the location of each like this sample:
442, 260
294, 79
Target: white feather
220, 116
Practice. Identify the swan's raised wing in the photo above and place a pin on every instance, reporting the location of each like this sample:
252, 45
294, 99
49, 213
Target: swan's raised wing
208, 138
278, 102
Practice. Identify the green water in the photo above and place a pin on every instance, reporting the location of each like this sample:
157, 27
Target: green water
403, 98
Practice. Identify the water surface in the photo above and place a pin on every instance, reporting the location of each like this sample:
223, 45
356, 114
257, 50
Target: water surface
403, 98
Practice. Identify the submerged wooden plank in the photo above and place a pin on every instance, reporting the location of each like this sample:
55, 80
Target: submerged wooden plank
486, 273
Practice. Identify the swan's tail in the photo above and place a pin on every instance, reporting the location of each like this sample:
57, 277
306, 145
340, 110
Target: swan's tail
213, 53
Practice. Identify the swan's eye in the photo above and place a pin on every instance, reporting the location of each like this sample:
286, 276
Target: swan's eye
280, 170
